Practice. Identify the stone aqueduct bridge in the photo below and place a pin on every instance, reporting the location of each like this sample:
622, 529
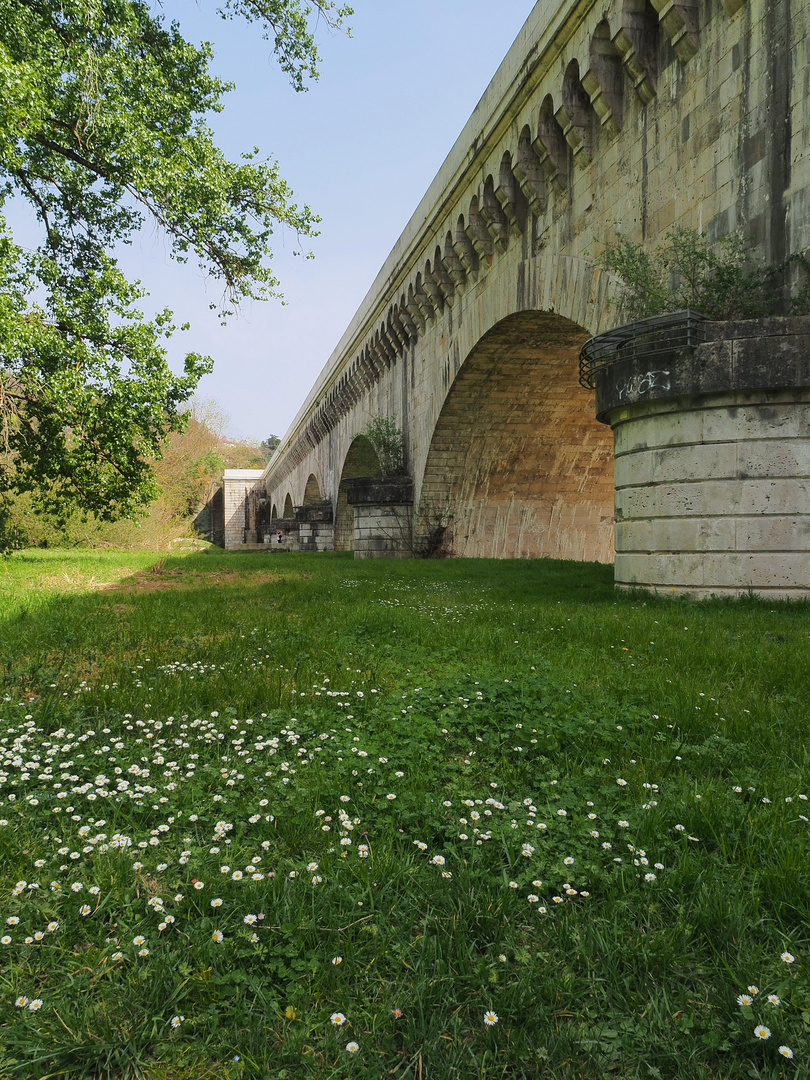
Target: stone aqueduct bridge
606, 116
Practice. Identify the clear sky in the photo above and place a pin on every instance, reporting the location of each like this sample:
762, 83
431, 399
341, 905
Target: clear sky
361, 148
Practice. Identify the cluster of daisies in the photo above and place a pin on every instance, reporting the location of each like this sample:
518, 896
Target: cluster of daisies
753, 997
175, 805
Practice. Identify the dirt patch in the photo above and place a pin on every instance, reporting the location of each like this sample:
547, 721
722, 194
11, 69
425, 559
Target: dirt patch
159, 578
75, 582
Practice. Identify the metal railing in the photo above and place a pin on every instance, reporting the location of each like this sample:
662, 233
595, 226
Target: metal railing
642, 340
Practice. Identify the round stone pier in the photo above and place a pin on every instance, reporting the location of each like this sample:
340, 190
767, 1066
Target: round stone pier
712, 459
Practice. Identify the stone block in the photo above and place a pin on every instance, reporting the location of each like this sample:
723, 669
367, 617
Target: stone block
774, 457
775, 533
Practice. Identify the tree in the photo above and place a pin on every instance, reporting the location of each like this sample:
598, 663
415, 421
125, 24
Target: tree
389, 444
102, 128
189, 470
269, 446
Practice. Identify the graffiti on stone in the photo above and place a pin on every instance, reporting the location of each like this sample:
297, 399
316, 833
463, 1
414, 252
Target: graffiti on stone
638, 385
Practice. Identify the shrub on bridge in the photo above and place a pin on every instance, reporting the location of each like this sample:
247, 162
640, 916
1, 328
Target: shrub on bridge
722, 280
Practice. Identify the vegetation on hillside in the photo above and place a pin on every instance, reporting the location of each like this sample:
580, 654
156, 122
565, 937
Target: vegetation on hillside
187, 474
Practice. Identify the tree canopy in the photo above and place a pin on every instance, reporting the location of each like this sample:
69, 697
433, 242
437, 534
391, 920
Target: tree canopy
102, 128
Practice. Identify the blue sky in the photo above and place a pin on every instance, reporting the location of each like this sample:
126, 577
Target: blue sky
360, 147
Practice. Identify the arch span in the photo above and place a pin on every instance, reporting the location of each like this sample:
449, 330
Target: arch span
518, 466
288, 507
312, 492
361, 460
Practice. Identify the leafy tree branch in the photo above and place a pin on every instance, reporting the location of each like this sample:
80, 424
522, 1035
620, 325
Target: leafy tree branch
102, 129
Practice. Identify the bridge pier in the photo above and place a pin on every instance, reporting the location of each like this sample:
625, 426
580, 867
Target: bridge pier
712, 459
316, 530
383, 516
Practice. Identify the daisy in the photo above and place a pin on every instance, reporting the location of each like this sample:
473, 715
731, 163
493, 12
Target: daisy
352, 1047
762, 1032
786, 1052
337, 1019
490, 1018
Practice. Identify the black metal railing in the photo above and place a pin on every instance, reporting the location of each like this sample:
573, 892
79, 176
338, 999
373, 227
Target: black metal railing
642, 340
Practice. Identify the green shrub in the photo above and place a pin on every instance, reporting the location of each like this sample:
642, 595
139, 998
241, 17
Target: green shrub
721, 281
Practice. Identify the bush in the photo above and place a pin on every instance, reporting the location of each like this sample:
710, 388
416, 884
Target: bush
388, 443
721, 281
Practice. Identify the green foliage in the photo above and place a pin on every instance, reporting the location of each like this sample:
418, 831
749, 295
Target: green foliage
102, 128
186, 474
389, 444
505, 706
269, 446
721, 281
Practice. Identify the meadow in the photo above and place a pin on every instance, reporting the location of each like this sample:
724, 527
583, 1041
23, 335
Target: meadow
305, 817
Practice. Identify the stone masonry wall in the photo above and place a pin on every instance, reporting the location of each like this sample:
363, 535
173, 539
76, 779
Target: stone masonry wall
624, 116
237, 483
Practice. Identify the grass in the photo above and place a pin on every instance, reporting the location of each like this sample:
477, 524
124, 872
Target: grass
422, 795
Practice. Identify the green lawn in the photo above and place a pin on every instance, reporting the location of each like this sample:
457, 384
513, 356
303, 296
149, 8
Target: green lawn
300, 816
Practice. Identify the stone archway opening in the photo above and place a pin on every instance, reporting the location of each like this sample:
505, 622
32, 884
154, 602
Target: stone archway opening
312, 492
518, 466
361, 460
288, 507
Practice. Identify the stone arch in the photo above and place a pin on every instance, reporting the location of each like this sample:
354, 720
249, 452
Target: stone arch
274, 513
518, 466
361, 460
312, 492
288, 507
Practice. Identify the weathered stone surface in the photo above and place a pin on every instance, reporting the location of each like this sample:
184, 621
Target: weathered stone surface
314, 515
713, 483
468, 337
384, 530
379, 490
757, 355
237, 485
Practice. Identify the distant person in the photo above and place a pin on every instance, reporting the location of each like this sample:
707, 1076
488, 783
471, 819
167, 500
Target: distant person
280, 537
